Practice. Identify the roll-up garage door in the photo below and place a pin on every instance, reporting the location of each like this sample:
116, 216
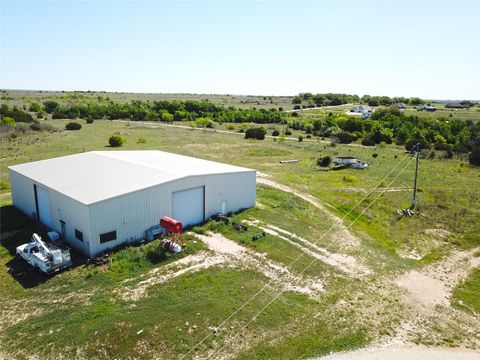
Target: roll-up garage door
189, 206
43, 201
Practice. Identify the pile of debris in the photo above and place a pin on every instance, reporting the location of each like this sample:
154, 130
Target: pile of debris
344, 162
236, 226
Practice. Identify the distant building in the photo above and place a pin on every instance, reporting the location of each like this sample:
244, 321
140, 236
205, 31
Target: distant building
428, 108
360, 109
454, 106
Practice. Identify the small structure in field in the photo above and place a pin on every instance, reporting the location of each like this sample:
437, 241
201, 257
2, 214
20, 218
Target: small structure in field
349, 162
363, 110
428, 108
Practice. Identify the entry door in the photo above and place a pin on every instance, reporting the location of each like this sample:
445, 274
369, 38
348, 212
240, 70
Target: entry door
64, 230
189, 206
43, 201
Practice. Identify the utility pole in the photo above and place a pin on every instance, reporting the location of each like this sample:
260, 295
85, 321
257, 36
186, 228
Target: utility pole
414, 199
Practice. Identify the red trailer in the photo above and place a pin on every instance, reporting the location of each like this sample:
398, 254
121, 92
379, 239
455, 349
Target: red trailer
173, 227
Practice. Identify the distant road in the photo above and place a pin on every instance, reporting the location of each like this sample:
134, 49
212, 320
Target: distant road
159, 124
318, 108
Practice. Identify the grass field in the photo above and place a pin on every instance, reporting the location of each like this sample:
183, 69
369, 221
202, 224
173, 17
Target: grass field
85, 312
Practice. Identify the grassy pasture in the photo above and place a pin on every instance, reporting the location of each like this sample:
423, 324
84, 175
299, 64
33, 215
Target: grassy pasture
83, 308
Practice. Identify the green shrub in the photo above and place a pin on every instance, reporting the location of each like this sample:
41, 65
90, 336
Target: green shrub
288, 132
374, 155
324, 161
275, 132
116, 140
368, 142
255, 133
89, 121
141, 140
345, 137
7, 121
474, 157
73, 126
300, 138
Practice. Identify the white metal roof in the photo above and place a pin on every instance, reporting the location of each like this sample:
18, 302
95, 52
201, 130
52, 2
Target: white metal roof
98, 175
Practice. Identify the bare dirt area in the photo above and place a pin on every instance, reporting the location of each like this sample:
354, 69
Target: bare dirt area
188, 264
433, 285
227, 253
345, 263
426, 294
278, 274
340, 233
405, 353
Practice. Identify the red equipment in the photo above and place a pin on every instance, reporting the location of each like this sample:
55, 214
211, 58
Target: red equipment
173, 227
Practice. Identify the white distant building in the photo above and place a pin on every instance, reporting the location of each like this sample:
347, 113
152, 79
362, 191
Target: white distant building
359, 109
363, 110
101, 199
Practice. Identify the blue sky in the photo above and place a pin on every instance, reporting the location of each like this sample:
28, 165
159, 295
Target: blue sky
427, 49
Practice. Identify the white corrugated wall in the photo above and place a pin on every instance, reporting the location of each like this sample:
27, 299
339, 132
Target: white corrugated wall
131, 214
72, 212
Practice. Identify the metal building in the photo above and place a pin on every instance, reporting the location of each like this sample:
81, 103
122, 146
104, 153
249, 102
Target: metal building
101, 199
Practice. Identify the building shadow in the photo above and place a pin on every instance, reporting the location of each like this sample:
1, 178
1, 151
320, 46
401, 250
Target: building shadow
16, 229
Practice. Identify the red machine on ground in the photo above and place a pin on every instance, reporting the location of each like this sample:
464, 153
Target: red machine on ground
173, 227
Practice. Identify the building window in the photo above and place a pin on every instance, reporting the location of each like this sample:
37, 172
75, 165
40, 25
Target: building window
110, 236
79, 235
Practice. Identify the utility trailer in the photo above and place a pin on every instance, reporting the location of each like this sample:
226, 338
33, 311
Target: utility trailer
47, 257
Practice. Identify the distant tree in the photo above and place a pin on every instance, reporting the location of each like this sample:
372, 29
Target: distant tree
409, 145
345, 137
50, 106
73, 126
373, 102
308, 128
116, 140
300, 138
36, 107
416, 101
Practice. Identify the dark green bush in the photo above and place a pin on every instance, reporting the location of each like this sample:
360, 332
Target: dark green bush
474, 157
300, 138
368, 142
89, 121
345, 137
275, 132
255, 133
73, 126
116, 140
324, 161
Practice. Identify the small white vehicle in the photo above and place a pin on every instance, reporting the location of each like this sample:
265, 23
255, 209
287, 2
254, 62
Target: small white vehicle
48, 258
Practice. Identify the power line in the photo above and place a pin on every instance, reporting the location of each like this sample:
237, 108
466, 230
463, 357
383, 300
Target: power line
301, 255
305, 269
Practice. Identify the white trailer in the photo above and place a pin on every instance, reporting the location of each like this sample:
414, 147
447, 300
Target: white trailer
48, 258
